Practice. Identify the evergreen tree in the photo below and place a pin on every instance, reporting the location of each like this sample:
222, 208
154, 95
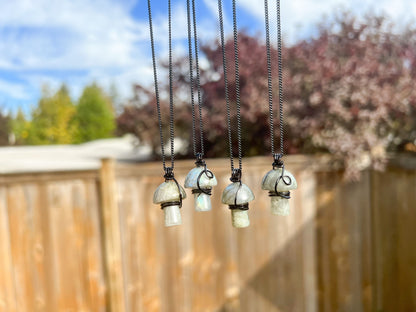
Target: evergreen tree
51, 120
5, 126
20, 128
94, 117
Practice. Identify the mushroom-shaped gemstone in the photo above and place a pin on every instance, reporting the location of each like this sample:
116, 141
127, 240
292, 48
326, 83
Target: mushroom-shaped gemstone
279, 187
237, 196
168, 196
201, 181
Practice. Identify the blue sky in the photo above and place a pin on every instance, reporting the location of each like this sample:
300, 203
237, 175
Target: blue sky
81, 41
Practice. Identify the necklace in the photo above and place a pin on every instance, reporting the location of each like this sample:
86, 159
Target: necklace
169, 194
278, 181
200, 179
236, 195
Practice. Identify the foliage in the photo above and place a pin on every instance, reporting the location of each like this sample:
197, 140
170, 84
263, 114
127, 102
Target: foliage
94, 118
51, 119
351, 90
5, 127
348, 91
20, 128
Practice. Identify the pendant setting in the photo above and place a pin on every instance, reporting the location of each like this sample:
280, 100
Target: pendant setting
169, 195
201, 180
237, 196
279, 182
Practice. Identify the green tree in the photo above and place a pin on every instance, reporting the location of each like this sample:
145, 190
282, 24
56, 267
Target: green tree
94, 117
5, 129
20, 128
51, 120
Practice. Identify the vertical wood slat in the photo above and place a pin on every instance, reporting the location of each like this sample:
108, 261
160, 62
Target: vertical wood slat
111, 238
394, 212
20, 242
7, 286
94, 253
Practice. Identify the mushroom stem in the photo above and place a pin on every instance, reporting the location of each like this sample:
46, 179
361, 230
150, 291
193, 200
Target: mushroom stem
239, 218
202, 202
280, 206
172, 215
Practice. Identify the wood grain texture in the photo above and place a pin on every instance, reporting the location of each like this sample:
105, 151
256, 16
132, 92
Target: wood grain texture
94, 241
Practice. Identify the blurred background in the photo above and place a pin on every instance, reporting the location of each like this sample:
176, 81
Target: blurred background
80, 159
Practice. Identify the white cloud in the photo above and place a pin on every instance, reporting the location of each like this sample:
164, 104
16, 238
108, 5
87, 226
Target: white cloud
68, 34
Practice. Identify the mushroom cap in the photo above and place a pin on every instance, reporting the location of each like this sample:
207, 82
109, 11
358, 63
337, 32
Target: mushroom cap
168, 191
241, 191
191, 180
269, 181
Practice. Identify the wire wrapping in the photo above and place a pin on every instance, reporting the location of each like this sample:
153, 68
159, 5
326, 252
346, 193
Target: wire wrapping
209, 175
170, 176
278, 163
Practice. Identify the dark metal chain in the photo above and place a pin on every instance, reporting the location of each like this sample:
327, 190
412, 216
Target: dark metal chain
280, 75
171, 111
171, 124
226, 91
269, 74
191, 76
152, 43
198, 80
237, 84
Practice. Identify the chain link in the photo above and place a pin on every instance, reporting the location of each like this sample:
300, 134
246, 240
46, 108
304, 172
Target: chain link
171, 110
269, 76
192, 24
191, 75
237, 85
226, 91
152, 43
280, 75
198, 80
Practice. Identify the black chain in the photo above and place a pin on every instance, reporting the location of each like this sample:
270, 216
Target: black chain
152, 43
191, 75
237, 84
171, 111
280, 75
227, 96
198, 80
172, 134
269, 76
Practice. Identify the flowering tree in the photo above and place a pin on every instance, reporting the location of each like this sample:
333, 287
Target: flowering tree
350, 91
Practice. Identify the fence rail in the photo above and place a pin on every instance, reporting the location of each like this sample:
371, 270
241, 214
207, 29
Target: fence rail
94, 241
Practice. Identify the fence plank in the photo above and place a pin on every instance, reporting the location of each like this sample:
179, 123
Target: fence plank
7, 285
111, 224
96, 282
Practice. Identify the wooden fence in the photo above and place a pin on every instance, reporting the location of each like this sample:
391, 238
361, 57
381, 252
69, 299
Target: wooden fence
94, 241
